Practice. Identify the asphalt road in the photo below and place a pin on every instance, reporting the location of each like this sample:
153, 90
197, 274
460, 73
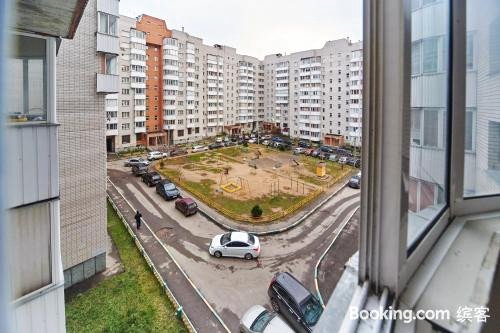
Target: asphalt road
233, 285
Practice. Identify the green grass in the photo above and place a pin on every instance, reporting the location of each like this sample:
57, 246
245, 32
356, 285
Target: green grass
132, 301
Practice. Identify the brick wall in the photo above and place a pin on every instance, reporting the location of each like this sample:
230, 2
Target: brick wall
82, 150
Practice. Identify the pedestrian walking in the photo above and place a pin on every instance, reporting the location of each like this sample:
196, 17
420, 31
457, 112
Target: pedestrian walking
138, 220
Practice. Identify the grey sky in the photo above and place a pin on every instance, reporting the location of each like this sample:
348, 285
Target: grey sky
257, 27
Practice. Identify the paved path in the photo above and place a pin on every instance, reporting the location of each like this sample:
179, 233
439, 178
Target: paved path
198, 312
232, 285
332, 266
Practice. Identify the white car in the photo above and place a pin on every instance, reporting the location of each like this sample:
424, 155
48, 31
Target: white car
258, 319
265, 142
252, 140
299, 150
238, 244
199, 148
156, 155
343, 160
218, 140
136, 161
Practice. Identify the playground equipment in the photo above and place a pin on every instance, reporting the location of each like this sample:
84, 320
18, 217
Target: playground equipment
232, 185
321, 169
258, 154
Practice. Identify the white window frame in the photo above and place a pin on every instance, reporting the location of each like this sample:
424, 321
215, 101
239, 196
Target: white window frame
384, 259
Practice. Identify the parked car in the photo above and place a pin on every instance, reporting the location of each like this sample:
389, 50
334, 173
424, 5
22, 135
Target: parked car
333, 157
252, 140
354, 161
355, 181
297, 304
151, 178
215, 145
156, 155
196, 149
235, 244
265, 142
136, 160
315, 153
304, 144
327, 149
343, 160
258, 319
186, 206
299, 150
218, 140
139, 169
178, 152
167, 190
308, 152
230, 143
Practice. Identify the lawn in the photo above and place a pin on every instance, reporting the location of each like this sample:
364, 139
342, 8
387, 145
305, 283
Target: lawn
132, 301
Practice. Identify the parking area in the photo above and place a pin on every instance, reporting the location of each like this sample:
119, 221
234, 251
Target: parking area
233, 285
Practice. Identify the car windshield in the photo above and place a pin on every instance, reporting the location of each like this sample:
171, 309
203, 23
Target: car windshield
225, 238
312, 311
156, 177
192, 205
169, 187
251, 239
262, 321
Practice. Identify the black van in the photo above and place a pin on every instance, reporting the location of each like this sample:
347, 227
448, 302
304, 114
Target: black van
290, 298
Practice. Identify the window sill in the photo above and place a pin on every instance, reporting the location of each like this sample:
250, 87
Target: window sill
31, 124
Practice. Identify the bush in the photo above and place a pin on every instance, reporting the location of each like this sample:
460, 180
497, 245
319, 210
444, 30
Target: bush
245, 144
256, 211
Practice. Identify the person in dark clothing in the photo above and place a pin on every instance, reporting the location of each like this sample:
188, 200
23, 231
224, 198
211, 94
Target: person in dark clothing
138, 220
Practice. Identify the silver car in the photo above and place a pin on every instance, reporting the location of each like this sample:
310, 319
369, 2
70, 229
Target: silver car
258, 319
235, 244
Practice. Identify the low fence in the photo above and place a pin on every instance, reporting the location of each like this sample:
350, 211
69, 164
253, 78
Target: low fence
179, 310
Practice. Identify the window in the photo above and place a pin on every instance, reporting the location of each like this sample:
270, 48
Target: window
107, 24
428, 164
429, 55
30, 244
110, 64
27, 72
125, 139
482, 122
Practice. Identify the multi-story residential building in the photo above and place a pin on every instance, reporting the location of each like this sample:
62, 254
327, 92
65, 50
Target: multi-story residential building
82, 112
307, 94
32, 192
204, 90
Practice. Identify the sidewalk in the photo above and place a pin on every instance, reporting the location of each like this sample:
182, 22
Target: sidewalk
268, 228
199, 313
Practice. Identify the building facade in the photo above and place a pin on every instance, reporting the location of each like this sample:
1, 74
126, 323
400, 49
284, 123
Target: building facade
176, 89
32, 190
82, 110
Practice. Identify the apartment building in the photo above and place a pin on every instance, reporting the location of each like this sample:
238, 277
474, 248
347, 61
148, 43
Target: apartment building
32, 192
307, 94
82, 87
176, 89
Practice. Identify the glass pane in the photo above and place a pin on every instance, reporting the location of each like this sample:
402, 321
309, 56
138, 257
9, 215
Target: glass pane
429, 115
26, 70
482, 149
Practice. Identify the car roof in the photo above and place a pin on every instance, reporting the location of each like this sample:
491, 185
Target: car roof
154, 173
293, 287
239, 236
187, 200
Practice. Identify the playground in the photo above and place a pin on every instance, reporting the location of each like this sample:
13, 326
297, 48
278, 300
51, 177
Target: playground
233, 180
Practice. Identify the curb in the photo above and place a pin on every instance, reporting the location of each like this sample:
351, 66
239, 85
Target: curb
324, 254
196, 289
275, 231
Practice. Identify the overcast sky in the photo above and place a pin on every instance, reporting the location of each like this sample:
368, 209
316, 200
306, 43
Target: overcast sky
257, 27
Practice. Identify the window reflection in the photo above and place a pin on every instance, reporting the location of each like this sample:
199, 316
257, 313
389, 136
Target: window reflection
429, 114
482, 142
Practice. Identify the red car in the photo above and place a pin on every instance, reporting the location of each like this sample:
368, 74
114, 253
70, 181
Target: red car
186, 206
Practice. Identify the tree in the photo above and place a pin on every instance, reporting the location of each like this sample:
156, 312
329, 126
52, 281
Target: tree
256, 211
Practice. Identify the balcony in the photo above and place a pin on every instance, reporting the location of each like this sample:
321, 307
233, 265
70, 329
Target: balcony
138, 85
139, 129
140, 107
140, 119
108, 43
108, 83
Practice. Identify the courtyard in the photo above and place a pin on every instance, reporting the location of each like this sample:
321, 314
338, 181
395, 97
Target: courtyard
234, 180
